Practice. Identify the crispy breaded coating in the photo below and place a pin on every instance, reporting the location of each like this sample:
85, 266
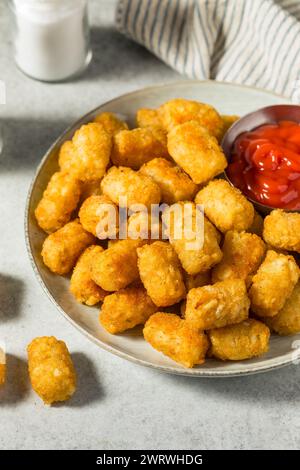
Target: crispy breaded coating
111, 123
51, 369
218, 305
257, 225
84, 289
174, 337
273, 284
91, 152
196, 151
287, 321
228, 121
179, 111
197, 280
282, 230
146, 117
138, 146
59, 200
193, 238
99, 216
125, 309
161, 273
90, 188
116, 267
2, 367
239, 342
242, 255
175, 185
62, 248
225, 206
131, 186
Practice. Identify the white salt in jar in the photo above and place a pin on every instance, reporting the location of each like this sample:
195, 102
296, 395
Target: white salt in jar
51, 38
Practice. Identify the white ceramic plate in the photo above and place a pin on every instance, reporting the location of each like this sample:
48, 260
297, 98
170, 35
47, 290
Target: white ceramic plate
228, 99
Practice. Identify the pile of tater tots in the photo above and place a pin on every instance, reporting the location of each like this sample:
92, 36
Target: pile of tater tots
218, 299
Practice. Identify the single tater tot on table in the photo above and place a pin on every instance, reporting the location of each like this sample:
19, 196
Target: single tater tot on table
146, 117
242, 254
62, 248
217, 305
126, 309
287, 321
84, 289
111, 123
196, 152
282, 230
100, 216
161, 273
51, 369
175, 185
59, 201
273, 284
225, 206
174, 337
126, 187
247, 339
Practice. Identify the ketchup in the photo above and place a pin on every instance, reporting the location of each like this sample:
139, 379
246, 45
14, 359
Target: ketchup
265, 165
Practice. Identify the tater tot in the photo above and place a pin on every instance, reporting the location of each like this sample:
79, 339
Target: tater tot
225, 206
2, 366
242, 254
196, 152
138, 146
116, 267
148, 118
59, 201
218, 305
180, 111
91, 152
257, 225
273, 284
174, 337
161, 273
239, 342
125, 186
175, 185
142, 225
62, 248
287, 321
99, 216
228, 121
111, 123
194, 239
125, 309
197, 280
84, 289
282, 230
51, 370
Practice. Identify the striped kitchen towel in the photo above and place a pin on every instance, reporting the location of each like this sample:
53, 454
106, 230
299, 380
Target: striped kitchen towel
254, 42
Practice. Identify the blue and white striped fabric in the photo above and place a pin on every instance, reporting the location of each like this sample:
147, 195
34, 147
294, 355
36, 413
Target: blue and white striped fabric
254, 42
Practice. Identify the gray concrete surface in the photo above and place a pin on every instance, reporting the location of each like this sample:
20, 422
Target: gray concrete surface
118, 404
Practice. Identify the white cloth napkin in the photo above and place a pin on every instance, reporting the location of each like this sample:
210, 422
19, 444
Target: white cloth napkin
253, 42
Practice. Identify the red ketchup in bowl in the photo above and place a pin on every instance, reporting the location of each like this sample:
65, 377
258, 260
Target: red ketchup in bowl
265, 165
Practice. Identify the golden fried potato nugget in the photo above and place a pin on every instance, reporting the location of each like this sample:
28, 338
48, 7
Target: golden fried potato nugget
125, 309
273, 284
146, 117
193, 238
138, 146
89, 156
99, 216
174, 337
225, 206
239, 342
111, 123
287, 321
197, 280
180, 111
62, 248
175, 185
51, 369
161, 273
116, 267
257, 225
59, 201
228, 121
2, 367
242, 255
84, 289
282, 230
126, 187
218, 305
196, 151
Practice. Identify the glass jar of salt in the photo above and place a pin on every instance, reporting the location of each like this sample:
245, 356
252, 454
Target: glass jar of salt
51, 38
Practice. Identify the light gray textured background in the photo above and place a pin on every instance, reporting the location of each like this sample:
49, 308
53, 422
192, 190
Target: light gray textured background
118, 404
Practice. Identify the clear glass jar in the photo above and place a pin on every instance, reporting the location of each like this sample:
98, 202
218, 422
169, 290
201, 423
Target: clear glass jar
51, 38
